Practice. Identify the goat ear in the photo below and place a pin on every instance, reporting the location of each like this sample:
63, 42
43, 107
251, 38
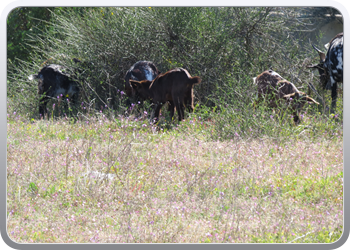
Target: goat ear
293, 95
309, 99
315, 66
322, 56
134, 83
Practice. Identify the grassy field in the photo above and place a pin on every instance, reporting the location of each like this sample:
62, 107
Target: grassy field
123, 180
234, 172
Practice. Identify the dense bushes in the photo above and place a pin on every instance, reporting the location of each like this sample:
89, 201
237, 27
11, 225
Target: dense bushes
225, 46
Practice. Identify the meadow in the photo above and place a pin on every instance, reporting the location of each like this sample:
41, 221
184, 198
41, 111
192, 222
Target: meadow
101, 171
125, 180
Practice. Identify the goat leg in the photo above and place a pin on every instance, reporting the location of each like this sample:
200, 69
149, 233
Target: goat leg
157, 111
334, 97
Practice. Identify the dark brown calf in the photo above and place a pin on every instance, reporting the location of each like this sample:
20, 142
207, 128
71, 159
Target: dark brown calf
174, 86
275, 88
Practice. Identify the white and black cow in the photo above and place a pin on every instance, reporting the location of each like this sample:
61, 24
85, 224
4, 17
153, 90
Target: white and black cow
330, 67
53, 82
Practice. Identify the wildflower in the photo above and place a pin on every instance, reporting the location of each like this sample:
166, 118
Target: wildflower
145, 112
271, 116
58, 97
122, 92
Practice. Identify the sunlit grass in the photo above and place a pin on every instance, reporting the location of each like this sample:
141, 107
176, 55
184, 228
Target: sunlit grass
171, 182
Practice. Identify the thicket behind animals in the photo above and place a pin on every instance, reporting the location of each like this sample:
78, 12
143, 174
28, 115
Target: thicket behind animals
225, 46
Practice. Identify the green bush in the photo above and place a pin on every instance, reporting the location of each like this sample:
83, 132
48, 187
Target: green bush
225, 46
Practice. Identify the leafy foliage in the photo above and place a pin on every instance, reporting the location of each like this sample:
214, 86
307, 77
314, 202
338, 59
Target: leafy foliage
225, 46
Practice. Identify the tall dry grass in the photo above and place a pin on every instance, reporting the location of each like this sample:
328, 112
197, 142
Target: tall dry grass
113, 181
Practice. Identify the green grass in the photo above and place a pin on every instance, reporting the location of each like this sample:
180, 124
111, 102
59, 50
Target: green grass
231, 172
171, 183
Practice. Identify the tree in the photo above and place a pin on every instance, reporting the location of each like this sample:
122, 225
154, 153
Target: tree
21, 22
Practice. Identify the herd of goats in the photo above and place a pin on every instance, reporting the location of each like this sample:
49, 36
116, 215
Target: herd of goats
175, 87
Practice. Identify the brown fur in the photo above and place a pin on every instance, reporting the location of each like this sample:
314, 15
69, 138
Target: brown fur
174, 86
276, 88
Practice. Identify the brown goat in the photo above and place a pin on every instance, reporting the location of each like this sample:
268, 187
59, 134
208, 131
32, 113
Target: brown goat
274, 87
174, 86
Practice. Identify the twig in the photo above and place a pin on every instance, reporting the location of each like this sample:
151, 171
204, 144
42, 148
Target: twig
300, 237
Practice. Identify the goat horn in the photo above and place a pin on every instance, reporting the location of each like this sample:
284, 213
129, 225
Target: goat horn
318, 50
321, 54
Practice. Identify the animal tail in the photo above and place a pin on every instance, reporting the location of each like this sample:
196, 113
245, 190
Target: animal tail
195, 80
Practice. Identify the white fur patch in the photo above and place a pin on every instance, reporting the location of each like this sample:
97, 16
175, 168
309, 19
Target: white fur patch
340, 60
326, 46
276, 74
61, 91
148, 75
71, 91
